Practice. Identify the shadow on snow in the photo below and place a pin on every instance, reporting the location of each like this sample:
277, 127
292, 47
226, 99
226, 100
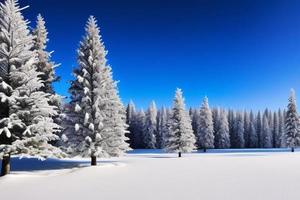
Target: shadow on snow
34, 164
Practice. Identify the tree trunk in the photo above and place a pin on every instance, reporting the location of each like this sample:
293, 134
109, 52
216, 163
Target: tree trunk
5, 165
204, 150
179, 154
93, 160
293, 149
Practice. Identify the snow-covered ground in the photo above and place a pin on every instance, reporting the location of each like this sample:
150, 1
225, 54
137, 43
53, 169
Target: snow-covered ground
145, 175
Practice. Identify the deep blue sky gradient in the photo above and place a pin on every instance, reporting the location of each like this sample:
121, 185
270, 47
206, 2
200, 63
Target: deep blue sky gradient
240, 53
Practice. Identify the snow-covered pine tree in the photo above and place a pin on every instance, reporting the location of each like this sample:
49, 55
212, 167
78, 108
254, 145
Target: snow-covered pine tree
259, 128
195, 118
292, 133
270, 118
266, 133
239, 131
232, 116
26, 124
216, 121
138, 133
205, 130
130, 112
275, 131
180, 137
162, 128
46, 66
44, 63
98, 114
222, 138
150, 130
130, 116
281, 129
113, 114
158, 136
253, 138
247, 128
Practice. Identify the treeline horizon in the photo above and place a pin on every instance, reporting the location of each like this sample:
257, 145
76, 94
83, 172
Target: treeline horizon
245, 128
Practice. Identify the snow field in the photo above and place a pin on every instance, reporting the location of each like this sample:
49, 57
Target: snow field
214, 176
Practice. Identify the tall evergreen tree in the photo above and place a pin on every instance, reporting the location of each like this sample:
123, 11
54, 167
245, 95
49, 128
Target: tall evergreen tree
266, 133
292, 133
130, 112
150, 130
259, 128
231, 123
205, 130
99, 114
195, 118
180, 137
130, 117
162, 128
281, 128
44, 63
26, 125
216, 119
222, 138
46, 66
138, 125
239, 139
246, 128
239, 131
253, 138
275, 131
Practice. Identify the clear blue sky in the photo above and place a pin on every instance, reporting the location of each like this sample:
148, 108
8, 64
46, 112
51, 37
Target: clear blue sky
240, 53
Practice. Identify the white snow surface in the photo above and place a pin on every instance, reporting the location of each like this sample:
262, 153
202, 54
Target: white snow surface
151, 174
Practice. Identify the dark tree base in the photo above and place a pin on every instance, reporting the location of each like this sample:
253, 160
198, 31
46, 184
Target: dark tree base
293, 149
93, 160
5, 169
179, 154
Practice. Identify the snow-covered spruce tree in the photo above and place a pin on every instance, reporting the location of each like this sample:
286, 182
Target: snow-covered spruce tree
26, 124
44, 63
275, 131
99, 116
259, 128
138, 125
46, 66
281, 129
247, 128
252, 136
231, 123
222, 138
162, 127
205, 130
180, 137
195, 118
253, 140
269, 116
130, 115
292, 133
239, 131
216, 120
150, 130
266, 133
130, 112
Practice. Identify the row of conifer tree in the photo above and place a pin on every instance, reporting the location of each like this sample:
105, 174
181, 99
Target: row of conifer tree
213, 127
